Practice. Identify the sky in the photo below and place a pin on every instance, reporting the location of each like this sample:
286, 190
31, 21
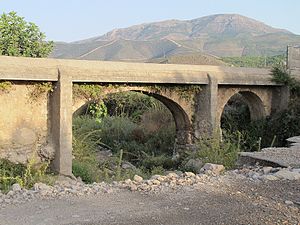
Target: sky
73, 20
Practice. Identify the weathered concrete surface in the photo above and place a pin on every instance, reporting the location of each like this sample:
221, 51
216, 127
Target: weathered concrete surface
198, 114
23, 123
61, 129
281, 156
259, 100
18, 68
294, 60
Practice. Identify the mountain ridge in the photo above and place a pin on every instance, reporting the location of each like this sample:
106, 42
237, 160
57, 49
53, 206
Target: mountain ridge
219, 34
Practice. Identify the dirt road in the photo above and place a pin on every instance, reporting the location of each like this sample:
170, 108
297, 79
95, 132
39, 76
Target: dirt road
222, 201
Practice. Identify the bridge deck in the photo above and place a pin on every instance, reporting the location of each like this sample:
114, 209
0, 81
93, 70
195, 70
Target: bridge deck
19, 68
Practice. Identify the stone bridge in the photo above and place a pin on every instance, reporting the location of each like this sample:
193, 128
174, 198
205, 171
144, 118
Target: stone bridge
34, 121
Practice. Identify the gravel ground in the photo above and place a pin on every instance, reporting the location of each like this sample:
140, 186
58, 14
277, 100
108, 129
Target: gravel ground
229, 199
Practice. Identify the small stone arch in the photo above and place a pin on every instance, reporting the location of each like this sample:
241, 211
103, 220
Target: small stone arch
254, 102
182, 122
180, 116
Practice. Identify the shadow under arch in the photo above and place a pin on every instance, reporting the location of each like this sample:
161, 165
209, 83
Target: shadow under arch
252, 100
181, 119
255, 104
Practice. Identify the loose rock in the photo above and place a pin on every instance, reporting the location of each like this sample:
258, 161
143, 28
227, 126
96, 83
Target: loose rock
138, 178
287, 175
212, 168
16, 187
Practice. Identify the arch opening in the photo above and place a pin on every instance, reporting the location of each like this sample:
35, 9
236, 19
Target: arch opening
242, 108
147, 133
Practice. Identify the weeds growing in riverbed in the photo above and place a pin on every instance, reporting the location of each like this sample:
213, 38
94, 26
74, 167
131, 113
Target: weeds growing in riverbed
25, 176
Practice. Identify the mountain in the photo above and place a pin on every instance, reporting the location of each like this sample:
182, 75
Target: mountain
217, 35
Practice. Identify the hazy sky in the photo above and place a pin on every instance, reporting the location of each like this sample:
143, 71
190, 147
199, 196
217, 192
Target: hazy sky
72, 20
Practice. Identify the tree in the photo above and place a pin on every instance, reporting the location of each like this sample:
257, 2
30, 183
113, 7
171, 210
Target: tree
21, 38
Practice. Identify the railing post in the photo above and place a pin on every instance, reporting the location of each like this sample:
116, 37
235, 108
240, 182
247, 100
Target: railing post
61, 124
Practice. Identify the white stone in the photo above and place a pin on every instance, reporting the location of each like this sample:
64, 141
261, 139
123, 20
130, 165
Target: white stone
214, 168
270, 177
156, 182
189, 174
16, 187
267, 169
138, 178
42, 188
128, 181
172, 175
287, 175
289, 202
296, 170
155, 177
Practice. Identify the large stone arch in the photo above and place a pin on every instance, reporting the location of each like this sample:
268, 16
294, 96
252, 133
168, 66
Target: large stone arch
180, 109
259, 101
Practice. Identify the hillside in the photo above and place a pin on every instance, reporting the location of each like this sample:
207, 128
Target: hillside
220, 35
192, 59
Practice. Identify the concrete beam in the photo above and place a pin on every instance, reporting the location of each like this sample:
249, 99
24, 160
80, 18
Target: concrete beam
19, 68
61, 125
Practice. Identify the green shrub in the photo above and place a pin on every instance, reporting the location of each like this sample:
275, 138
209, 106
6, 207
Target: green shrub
88, 171
129, 104
133, 132
26, 176
5, 86
115, 131
9, 170
255, 61
213, 150
284, 124
150, 162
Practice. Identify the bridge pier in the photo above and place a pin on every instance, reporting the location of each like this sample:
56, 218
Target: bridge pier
61, 125
206, 107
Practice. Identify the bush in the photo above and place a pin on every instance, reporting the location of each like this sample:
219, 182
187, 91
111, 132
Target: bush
236, 115
21, 38
89, 172
129, 104
162, 161
139, 130
284, 124
213, 150
9, 170
25, 176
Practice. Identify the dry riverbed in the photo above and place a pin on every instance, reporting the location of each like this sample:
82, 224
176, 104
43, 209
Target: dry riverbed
236, 197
